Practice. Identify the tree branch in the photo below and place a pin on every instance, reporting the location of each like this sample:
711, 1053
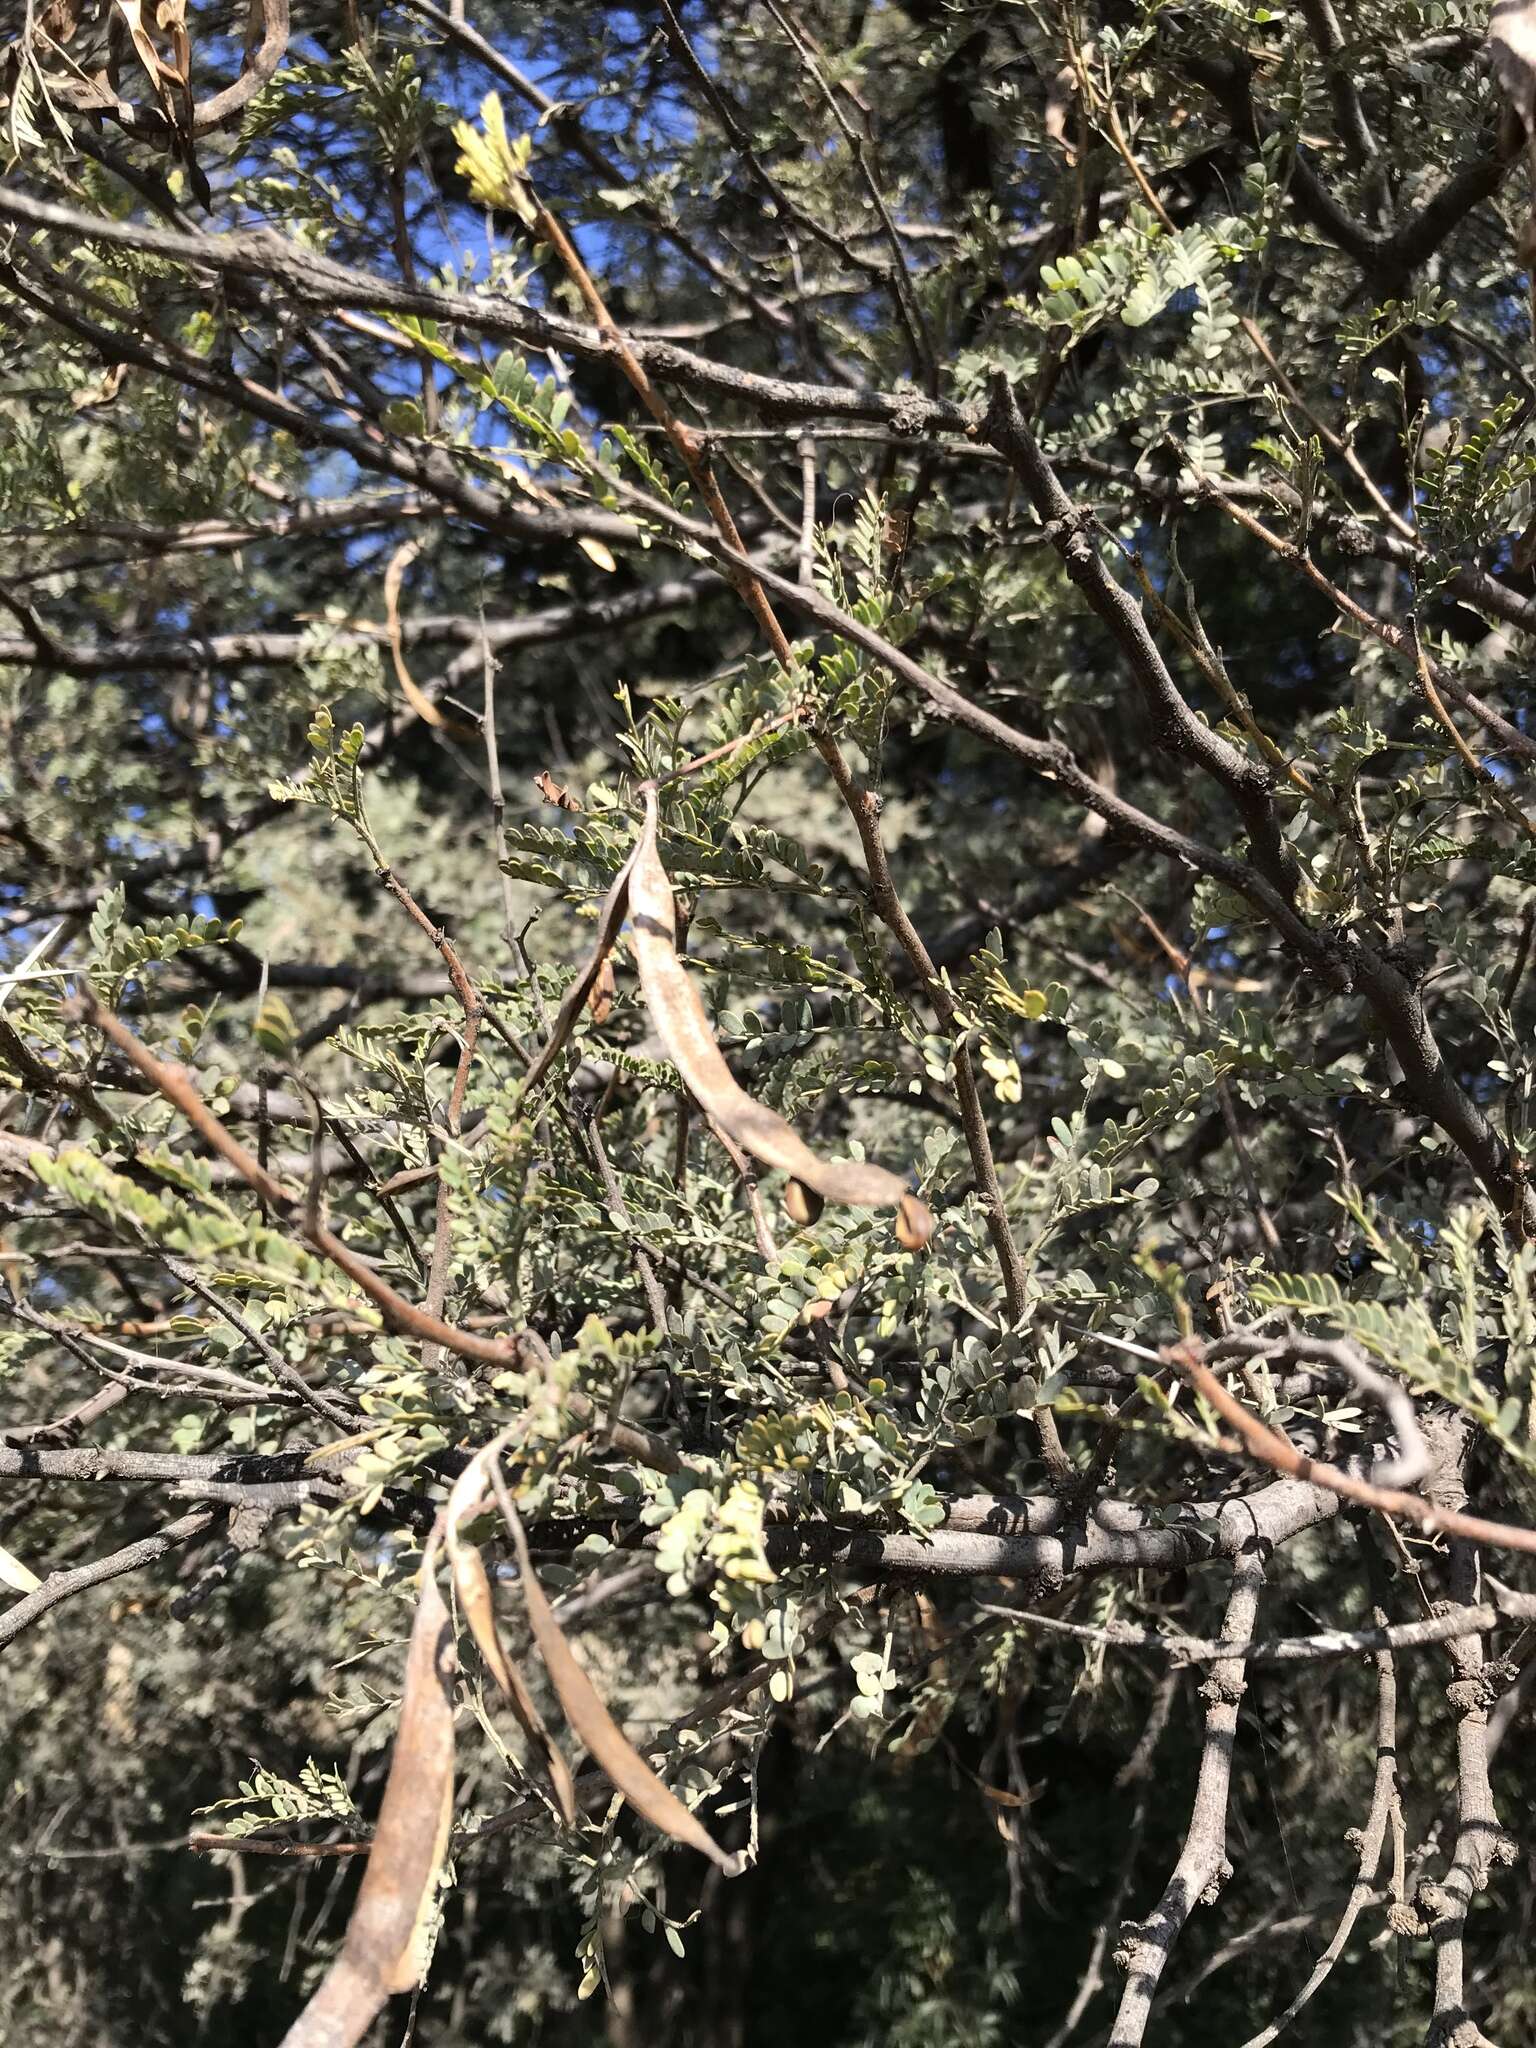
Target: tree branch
131, 1558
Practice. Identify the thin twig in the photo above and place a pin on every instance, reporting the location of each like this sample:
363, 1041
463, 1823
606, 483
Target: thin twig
131, 1558
1329, 1643
1274, 1451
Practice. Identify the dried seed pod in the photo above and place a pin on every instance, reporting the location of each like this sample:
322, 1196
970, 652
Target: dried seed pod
684, 1031
386, 1944
914, 1223
471, 1493
590, 1719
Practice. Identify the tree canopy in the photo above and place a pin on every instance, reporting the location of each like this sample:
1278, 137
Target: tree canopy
767, 1225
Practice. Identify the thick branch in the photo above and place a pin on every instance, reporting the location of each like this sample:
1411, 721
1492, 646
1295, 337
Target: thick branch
1202, 1867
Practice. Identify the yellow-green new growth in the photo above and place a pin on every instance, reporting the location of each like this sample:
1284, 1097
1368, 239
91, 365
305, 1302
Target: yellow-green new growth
495, 163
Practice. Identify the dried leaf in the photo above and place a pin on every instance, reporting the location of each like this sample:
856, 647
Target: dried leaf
600, 1001
176, 90
607, 1743
60, 18
93, 83
386, 1941
554, 792
171, 18
684, 1031
470, 1494
143, 42
103, 391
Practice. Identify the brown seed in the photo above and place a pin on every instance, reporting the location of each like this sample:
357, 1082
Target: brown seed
914, 1223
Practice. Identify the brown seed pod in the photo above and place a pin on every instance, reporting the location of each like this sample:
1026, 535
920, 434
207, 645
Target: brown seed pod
388, 1937
684, 1031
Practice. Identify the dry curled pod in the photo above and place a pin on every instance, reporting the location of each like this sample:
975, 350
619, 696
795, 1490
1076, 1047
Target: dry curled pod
591, 1721
471, 1581
389, 1935
684, 1030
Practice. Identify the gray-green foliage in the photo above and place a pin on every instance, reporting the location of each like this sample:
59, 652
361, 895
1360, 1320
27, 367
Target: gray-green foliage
1235, 281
